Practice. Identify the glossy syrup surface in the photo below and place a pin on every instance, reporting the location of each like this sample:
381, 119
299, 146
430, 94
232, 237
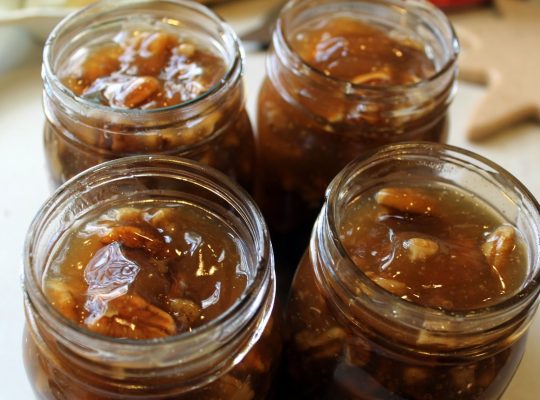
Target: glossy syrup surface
147, 270
142, 69
346, 48
435, 246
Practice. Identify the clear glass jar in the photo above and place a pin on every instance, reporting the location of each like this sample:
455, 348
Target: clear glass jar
232, 356
352, 339
212, 128
311, 124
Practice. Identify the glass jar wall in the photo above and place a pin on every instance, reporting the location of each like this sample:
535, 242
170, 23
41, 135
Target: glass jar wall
140, 346
360, 328
344, 77
145, 77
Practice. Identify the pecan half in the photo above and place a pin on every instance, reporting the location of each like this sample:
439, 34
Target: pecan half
131, 317
406, 200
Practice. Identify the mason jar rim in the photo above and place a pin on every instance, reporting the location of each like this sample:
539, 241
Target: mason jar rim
453, 44
102, 8
330, 211
220, 185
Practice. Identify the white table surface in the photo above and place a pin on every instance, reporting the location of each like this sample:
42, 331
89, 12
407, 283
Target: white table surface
24, 184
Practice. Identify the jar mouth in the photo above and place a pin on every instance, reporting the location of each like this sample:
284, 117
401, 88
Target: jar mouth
229, 37
506, 307
447, 67
220, 185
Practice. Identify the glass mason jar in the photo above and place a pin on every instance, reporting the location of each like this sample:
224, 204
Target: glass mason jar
232, 356
212, 128
311, 124
352, 339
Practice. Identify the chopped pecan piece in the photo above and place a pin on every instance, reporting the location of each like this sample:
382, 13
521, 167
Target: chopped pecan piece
166, 219
357, 352
414, 375
101, 63
307, 339
186, 49
463, 377
131, 317
328, 351
62, 299
419, 249
129, 215
391, 285
154, 52
185, 312
406, 200
499, 245
369, 77
132, 93
136, 238
233, 388
432, 336
254, 362
487, 374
